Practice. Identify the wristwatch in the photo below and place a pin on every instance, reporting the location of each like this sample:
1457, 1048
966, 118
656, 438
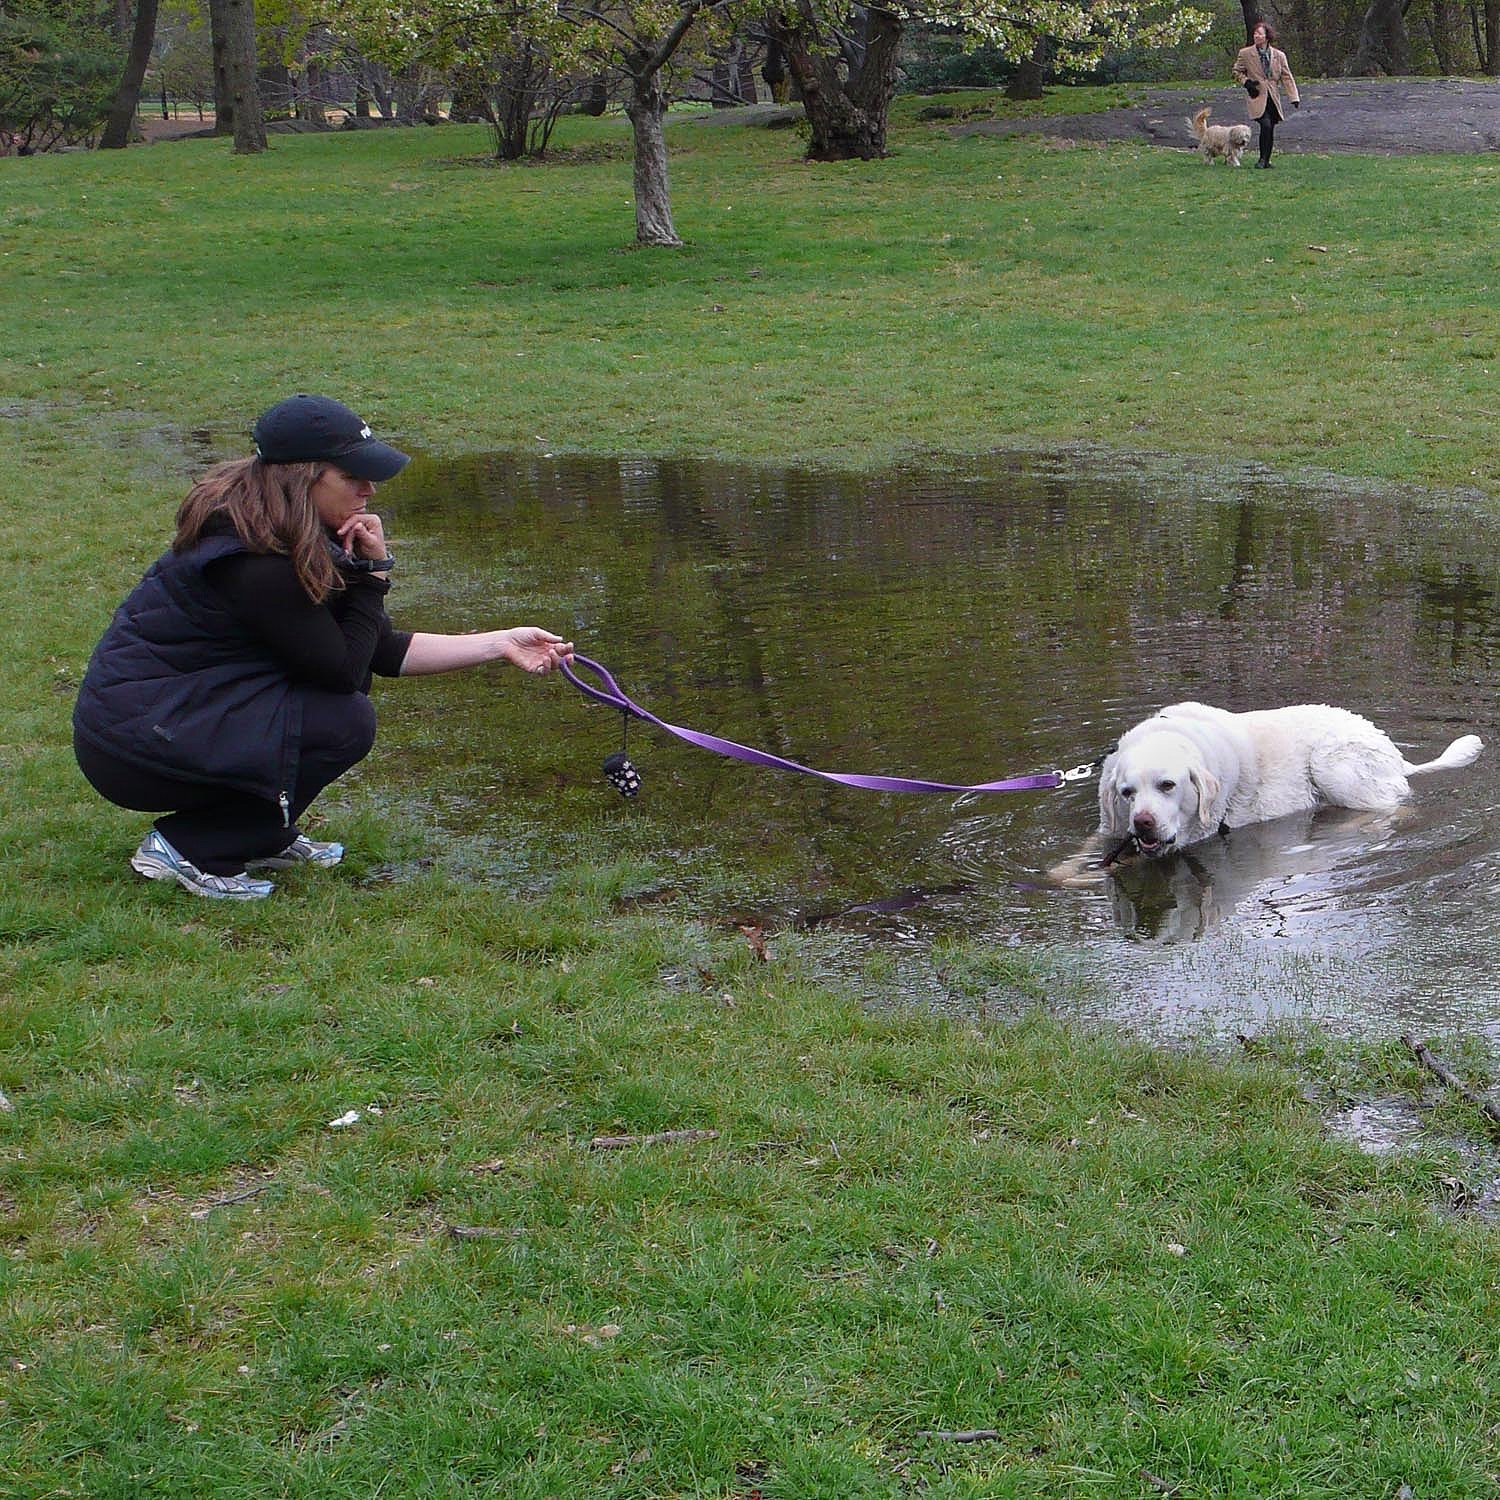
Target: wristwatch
369, 564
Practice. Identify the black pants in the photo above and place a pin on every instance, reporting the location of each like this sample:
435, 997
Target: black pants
218, 828
1268, 123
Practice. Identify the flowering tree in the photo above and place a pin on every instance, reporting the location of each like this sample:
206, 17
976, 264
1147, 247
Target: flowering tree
847, 91
639, 38
634, 40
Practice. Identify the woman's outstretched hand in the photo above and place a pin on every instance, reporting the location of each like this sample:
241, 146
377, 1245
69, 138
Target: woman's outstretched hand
533, 649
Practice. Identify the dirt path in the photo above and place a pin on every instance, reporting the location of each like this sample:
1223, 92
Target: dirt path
1374, 116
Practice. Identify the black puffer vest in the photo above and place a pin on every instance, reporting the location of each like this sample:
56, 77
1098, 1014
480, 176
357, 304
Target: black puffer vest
179, 687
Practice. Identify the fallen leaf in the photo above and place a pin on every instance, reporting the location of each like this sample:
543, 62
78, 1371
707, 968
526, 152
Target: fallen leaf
756, 938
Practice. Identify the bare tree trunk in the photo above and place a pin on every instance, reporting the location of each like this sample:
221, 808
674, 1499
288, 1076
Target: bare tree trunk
848, 120
1250, 10
128, 97
312, 107
218, 31
596, 96
744, 72
1032, 74
773, 70
236, 93
244, 91
1489, 53
1441, 29
1383, 45
653, 198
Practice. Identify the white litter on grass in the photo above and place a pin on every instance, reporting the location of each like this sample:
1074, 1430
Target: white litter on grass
353, 1117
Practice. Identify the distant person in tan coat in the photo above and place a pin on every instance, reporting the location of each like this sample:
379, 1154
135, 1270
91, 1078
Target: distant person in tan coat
1267, 77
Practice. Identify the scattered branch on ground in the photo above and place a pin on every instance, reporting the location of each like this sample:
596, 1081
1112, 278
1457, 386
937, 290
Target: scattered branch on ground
228, 1199
660, 1138
1420, 1051
972, 1435
479, 1232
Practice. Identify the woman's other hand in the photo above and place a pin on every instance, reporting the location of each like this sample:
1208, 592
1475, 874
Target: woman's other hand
363, 535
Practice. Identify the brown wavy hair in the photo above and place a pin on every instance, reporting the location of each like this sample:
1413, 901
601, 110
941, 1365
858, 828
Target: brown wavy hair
270, 507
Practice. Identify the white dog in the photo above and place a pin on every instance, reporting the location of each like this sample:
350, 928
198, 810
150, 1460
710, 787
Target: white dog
1226, 141
1192, 771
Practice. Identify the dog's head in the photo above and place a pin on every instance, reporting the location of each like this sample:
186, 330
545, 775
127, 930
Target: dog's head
1158, 790
1239, 136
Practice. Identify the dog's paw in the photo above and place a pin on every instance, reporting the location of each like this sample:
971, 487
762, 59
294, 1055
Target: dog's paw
1082, 870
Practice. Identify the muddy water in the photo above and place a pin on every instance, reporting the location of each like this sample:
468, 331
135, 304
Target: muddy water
966, 623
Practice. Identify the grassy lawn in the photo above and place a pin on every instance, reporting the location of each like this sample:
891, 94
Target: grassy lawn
1140, 1273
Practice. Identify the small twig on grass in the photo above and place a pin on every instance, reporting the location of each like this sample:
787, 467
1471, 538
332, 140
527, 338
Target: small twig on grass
240, 1197
661, 1138
973, 1435
480, 1232
1420, 1051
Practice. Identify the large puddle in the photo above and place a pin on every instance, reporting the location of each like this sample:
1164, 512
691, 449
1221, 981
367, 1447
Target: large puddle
966, 623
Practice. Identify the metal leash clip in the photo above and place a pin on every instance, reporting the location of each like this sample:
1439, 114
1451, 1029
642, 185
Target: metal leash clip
1078, 773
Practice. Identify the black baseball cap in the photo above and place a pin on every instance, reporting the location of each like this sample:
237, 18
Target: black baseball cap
310, 429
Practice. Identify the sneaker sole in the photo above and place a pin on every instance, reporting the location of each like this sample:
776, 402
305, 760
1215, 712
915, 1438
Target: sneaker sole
294, 864
151, 868
155, 869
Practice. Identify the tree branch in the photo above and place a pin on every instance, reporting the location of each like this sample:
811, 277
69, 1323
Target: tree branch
1489, 1110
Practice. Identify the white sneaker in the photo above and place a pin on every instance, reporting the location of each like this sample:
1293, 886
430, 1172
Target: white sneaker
301, 851
156, 859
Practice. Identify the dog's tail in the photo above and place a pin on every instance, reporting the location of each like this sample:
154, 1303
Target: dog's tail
1199, 123
1463, 751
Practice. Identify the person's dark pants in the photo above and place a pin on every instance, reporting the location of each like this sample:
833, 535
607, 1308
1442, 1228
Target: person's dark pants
1269, 120
218, 828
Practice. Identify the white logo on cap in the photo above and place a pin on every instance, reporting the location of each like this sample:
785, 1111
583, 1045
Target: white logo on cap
365, 432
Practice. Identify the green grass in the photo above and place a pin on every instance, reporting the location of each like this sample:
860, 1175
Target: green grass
963, 294
1147, 1273
1117, 1259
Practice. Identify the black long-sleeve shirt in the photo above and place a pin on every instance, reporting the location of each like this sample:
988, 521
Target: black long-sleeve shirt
334, 645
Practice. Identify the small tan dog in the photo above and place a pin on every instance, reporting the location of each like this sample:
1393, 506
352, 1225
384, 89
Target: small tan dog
1226, 141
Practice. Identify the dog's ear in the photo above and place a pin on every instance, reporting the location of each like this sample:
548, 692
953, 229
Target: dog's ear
1206, 784
1112, 816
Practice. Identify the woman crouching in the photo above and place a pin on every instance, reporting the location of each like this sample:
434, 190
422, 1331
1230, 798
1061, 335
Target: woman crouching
233, 683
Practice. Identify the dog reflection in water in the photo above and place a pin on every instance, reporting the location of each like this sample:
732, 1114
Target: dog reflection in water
1267, 872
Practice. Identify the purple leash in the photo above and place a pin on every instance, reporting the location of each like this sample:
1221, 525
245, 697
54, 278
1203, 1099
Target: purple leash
623, 774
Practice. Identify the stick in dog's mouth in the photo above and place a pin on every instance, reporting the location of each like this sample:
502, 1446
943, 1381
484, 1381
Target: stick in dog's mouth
1134, 844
